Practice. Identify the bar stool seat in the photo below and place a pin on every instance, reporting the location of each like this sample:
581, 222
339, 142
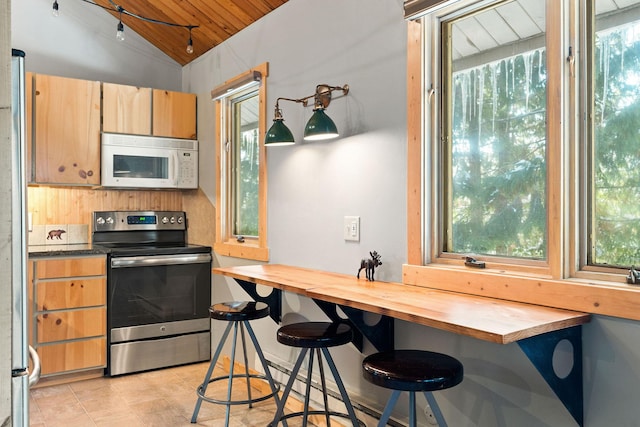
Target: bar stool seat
238, 314
319, 336
412, 371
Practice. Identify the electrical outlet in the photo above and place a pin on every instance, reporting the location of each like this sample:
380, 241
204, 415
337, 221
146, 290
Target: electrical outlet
431, 419
352, 228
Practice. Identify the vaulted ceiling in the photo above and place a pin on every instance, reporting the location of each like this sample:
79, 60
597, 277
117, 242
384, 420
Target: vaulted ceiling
217, 20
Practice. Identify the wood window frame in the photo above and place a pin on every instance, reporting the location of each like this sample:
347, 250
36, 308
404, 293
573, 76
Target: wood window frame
225, 243
559, 285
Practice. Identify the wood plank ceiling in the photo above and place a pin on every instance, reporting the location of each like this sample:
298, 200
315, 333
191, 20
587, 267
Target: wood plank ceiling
217, 20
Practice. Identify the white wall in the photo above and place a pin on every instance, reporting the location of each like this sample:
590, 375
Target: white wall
313, 185
81, 43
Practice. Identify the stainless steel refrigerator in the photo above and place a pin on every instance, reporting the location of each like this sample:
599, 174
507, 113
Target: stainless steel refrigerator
20, 349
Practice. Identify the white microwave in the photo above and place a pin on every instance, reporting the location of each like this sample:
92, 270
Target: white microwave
134, 161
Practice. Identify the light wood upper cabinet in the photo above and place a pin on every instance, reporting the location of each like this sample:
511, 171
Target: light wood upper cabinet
126, 109
145, 111
174, 114
67, 131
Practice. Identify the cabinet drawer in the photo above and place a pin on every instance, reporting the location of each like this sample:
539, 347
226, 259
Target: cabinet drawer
73, 356
70, 294
71, 267
67, 325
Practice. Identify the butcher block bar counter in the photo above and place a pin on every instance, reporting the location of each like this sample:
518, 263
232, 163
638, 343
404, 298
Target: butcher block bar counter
484, 318
538, 330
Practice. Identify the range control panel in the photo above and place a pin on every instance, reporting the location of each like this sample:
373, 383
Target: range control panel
139, 220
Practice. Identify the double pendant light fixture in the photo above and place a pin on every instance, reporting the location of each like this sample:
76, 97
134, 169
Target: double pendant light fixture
319, 127
120, 28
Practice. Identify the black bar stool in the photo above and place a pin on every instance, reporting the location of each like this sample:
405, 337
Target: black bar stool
237, 313
412, 370
318, 336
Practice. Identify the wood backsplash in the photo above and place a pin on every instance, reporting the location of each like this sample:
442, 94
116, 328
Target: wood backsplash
75, 205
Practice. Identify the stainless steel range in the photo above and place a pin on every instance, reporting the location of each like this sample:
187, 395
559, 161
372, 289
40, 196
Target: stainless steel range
158, 290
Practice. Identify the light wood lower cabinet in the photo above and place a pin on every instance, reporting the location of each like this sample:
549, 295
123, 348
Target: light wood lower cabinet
73, 356
68, 312
70, 325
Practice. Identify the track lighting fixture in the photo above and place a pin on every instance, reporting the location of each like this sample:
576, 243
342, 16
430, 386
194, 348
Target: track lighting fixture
120, 28
190, 43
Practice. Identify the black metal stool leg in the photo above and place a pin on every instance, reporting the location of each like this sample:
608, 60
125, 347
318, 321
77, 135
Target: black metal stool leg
287, 389
265, 366
307, 394
201, 390
343, 391
391, 403
324, 389
435, 409
246, 364
412, 409
231, 369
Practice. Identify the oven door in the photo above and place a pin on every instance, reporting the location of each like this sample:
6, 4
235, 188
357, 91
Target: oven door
161, 295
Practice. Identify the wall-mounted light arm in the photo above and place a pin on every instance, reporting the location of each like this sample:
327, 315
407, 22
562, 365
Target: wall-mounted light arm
319, 126
322, 97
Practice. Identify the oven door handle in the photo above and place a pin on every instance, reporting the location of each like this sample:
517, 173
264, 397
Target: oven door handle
156, 260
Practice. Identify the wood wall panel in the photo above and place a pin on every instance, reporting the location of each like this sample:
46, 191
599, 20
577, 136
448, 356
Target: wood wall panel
75, 205
201, 215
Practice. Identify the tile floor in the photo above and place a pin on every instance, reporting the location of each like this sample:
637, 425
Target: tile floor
158, 398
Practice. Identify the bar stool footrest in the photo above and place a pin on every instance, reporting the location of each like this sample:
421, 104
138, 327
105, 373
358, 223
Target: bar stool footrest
317, 412
238, 402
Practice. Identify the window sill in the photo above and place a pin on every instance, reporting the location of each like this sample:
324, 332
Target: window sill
242, 250
597, 297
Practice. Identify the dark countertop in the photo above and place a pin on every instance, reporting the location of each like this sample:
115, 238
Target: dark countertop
66, 250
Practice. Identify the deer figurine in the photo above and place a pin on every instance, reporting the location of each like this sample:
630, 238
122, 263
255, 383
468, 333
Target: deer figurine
369, 265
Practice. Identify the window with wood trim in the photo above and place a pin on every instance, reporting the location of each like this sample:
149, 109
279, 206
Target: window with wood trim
241, 167
523, 132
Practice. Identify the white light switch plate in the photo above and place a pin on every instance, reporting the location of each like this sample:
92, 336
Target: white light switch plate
352, 228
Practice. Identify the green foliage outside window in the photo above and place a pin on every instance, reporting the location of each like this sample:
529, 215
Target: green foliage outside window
498, 172
245, 176
616, 161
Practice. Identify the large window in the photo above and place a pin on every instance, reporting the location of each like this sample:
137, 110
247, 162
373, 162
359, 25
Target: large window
494, 83
245, 163
524, 136
241, 167
615, 151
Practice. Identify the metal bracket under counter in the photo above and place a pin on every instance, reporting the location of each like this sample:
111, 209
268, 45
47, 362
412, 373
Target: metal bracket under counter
540, 350
380, 335
273, 300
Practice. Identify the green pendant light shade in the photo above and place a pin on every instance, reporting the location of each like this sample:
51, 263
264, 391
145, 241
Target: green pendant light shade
278, 134
320, 127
